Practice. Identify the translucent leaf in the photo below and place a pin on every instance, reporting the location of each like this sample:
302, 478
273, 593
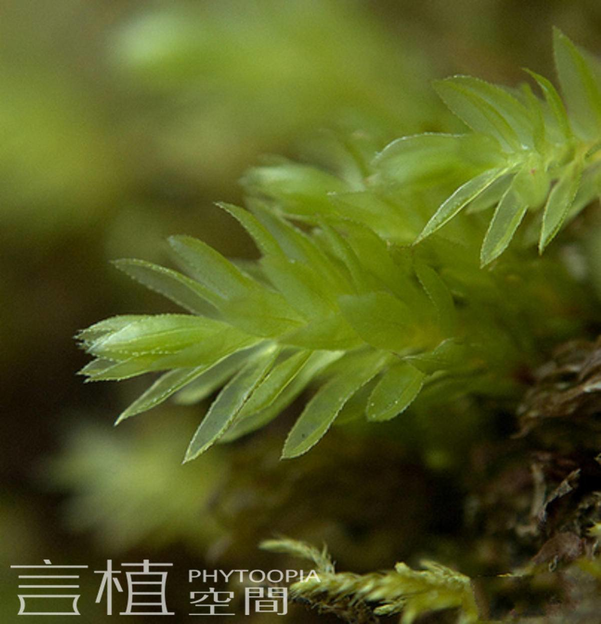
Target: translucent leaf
322, 409
589, 190
208, 351
425, 157
160, 334
265, 241
275, 383
108, 326
381, 319
379, 214
440, 295
161, 390
558, 205
229, 403
448, 354
210, 268
491, 196
397, 389
507, 218
332, 332
355, 408
373, 253
262, 312
304, 186
246, 424
487, 109
212, 379
109, 370
459, 199
300, 286
299, 247
536, 110
580, 85
180, 289
340, 248
555, 104
294, 243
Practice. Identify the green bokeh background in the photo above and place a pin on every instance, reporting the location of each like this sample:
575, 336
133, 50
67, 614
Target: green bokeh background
122, 122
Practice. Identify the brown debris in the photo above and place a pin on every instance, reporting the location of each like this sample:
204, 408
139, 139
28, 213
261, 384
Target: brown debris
566, 387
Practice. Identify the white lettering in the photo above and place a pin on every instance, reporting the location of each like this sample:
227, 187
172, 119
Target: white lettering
275, 580
260, 572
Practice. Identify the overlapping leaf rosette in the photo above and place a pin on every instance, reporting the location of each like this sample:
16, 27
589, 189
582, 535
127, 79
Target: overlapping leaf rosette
367, 296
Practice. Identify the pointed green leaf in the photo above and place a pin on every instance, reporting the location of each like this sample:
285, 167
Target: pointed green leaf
180, 289
158, 334
262, 312
301, 287
248, 423
275, 383
341, 249
322, 409
589, 190
579, 77
331, 332
299, 247
505, 222
425, 157
229, 403
558, 205
459, 199
108, 326
536, 110
373, 253
491, 196
161, 390
265, 241
212, 378
487, 109
109, 370
555, 104
448, 354
210, 268
397, 389
440, 296
212, 349
299, 186
355, 408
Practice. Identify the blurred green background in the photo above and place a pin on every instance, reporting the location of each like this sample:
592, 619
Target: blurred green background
122, 122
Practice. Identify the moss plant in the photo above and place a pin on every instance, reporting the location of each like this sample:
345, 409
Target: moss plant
415, 276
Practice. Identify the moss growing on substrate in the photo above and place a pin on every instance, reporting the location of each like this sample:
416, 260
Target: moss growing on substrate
412, 292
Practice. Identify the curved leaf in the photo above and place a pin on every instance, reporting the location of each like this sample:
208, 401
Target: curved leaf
229, 403
323, 408
397, 389
559, 203
507, 218
459, 199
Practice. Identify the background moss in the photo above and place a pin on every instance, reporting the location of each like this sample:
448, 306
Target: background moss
123, 121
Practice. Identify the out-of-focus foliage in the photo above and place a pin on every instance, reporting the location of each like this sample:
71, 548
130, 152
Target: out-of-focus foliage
118, 490
247, 77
